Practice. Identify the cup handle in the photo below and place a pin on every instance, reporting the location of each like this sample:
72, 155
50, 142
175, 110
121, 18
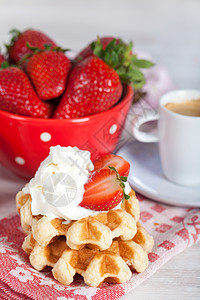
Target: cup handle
145, 137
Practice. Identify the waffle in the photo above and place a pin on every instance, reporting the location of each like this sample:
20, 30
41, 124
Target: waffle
95, 267
102, 248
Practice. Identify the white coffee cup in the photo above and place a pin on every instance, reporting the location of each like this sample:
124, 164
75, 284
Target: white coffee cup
178, 136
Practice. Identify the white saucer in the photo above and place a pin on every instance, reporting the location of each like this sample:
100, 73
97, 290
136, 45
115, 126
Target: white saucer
146, 176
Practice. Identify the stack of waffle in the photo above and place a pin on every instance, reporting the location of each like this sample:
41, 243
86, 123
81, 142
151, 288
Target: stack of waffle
104, 247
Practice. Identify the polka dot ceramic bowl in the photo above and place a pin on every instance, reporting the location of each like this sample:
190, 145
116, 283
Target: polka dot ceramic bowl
25, 141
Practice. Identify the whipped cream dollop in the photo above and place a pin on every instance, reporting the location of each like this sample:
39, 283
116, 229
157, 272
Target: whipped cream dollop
58, 186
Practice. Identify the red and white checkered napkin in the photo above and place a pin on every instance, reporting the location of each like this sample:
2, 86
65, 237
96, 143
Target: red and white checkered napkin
173, 229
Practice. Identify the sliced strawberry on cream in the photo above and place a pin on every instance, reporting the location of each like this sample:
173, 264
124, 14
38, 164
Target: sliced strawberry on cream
104, 191
65, 179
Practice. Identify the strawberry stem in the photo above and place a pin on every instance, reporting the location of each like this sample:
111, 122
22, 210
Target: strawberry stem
35, 50
119, 56
121, 179
47, 47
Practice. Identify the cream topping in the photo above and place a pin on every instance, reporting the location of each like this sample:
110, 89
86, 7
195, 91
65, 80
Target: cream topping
58, 186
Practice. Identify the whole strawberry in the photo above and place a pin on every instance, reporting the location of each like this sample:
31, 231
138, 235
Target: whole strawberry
93, 87
95, 83
17, 47
18, 96
48, 71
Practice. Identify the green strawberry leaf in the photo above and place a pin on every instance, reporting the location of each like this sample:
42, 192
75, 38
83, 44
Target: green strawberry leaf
137, 85
97, 47
126, 196
119, 56
143, 63
136, 74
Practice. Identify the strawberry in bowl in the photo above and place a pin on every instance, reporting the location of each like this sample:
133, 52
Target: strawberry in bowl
96, 82
48, 70
18, 96
48, 100
18, 44
93, 87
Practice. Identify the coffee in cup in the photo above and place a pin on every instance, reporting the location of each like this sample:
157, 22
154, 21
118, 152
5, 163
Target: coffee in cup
187, 108
178, 135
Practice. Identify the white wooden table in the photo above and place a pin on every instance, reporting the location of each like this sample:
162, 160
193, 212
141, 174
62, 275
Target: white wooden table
169, 31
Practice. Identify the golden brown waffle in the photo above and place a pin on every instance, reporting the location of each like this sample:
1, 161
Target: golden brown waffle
143, 238
102, 247
101, 229
95, 267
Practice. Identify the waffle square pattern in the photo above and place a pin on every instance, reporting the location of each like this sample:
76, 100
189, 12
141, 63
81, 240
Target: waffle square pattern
105, 247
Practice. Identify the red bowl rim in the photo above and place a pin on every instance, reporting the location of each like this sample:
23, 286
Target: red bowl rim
127, 96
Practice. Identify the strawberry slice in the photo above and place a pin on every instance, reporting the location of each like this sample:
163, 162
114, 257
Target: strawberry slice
104, 190
120, 164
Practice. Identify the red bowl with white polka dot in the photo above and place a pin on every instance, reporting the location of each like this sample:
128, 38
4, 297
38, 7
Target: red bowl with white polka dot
25, 141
